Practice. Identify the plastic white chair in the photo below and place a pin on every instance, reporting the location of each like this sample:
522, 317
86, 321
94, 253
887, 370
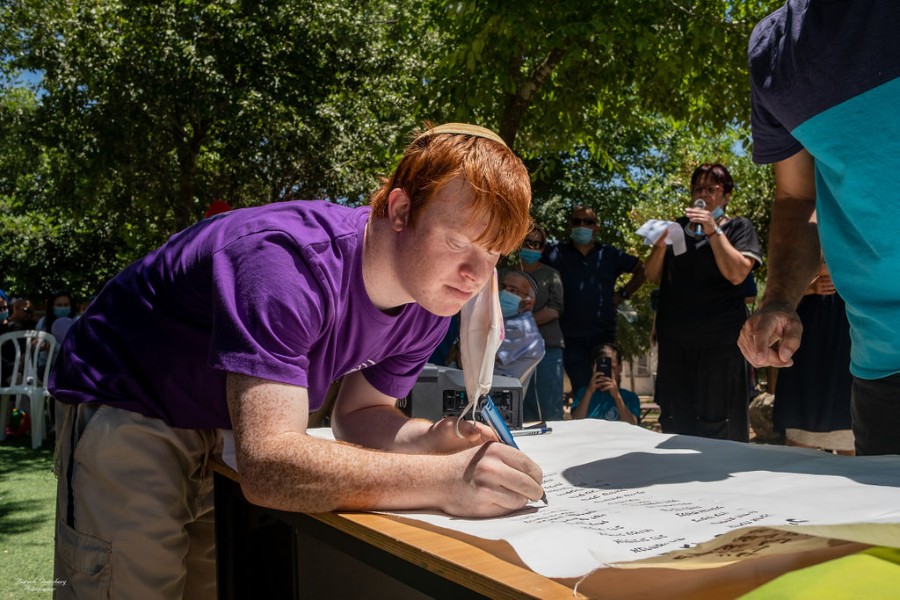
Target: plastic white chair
23, 379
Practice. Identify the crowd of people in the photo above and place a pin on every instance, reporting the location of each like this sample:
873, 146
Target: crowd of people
18, 314
568, 293
270, 305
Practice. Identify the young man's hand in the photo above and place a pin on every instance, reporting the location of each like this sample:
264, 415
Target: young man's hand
490, 480
443, 439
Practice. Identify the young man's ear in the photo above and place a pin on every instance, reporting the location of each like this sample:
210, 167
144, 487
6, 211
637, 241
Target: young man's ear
399, 206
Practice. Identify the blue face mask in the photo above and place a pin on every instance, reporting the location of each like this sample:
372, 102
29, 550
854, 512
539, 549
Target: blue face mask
529, 256
61, 311
509, 303
582, 235
718, 212
4, 315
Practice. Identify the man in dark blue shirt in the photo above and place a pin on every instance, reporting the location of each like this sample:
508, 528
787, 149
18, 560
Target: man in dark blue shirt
589, 271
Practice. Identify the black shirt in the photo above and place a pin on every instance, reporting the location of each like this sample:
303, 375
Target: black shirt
698, 306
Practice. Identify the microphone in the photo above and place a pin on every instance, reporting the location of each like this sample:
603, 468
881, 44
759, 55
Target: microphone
698, 230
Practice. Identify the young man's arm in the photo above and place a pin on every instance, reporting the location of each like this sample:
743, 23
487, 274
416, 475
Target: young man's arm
283, 468
772, 334
362, 415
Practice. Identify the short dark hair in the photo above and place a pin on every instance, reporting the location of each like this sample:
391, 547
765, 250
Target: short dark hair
715, 171
598, 350
540, 230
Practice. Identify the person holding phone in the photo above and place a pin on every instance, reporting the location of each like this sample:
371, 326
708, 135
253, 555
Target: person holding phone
602, 397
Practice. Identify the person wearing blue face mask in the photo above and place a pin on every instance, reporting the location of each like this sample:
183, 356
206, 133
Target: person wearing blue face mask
702, 377
522, 347
59, 304
589, 271
544, 398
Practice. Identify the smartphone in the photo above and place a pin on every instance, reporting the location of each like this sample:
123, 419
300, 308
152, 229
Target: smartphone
603, 364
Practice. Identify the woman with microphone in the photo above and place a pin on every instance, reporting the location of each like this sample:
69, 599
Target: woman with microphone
701, 382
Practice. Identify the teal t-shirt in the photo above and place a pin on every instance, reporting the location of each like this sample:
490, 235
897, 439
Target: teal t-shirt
603, 406
825, 77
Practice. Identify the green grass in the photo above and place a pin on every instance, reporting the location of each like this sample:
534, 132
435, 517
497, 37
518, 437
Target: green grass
27, 509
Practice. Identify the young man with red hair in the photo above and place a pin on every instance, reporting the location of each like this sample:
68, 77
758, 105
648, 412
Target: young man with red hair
241, 322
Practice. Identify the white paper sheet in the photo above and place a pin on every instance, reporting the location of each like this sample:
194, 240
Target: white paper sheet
619, 493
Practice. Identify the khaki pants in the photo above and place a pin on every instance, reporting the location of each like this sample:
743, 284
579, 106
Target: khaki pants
134, 507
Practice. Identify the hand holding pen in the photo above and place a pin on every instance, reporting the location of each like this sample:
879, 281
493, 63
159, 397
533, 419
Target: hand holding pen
495, 420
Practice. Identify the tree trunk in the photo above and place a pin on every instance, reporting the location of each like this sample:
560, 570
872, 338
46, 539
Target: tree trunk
517, 104
188, 154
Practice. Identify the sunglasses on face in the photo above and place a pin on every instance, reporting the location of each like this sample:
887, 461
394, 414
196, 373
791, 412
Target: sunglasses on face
533, 244
588, 222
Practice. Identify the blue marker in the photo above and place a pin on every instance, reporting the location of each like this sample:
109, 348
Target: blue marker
495, 420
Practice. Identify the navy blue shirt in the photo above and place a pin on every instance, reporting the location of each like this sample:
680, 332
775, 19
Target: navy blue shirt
589, 282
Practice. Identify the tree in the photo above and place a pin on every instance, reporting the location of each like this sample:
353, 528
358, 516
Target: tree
546, 73
146, 112
610, 103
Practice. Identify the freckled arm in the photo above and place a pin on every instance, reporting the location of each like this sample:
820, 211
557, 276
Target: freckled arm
283, 468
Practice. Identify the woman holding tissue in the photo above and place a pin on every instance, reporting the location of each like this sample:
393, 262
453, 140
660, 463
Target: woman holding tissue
701, 383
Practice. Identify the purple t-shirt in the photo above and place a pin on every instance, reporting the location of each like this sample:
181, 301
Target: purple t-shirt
274, 292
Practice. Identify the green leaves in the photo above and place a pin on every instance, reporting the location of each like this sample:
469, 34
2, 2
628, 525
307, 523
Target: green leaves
148, 112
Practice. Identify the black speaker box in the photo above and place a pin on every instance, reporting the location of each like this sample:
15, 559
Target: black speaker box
441, 391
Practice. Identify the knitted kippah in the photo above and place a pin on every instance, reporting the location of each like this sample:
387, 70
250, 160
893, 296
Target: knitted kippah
463, 129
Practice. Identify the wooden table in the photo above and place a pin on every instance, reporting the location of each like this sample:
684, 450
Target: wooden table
265, 553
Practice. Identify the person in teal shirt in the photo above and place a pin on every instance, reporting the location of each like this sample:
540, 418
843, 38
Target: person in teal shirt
825, 86
602, 397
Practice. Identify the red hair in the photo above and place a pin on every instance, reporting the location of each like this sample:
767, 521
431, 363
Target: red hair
499, 180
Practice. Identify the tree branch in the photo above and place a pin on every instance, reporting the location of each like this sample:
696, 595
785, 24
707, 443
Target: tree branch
517, 104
